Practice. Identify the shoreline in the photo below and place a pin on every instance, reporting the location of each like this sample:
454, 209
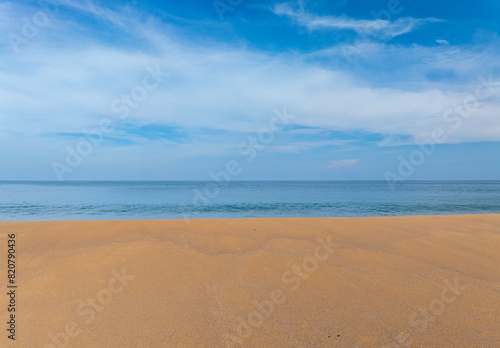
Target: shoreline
258, 218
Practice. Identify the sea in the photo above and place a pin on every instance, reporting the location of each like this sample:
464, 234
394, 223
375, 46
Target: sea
126, 200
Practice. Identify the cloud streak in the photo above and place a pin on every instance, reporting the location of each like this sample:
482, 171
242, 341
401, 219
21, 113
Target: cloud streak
377, 28
343, 163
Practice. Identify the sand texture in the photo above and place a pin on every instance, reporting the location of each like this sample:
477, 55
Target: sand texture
326, 282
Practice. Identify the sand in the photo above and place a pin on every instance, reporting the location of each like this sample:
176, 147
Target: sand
327, 282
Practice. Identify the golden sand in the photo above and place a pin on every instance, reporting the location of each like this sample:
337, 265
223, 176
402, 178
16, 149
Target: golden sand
326, 282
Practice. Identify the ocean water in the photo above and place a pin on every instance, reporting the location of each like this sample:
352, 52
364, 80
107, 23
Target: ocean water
108, 200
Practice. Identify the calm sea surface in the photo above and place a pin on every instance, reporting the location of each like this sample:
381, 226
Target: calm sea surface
107, 200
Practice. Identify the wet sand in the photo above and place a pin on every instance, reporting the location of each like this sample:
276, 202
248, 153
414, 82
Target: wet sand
326, 282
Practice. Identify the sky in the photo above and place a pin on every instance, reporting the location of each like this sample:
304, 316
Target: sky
250, 90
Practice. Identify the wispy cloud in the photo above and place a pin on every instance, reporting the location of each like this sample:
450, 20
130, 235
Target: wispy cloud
442, 42
343, 163
378, 28
308, 145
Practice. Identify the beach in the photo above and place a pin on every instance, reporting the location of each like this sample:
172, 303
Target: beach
427, 281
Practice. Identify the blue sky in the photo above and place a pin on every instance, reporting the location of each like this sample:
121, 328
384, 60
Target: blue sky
167, 90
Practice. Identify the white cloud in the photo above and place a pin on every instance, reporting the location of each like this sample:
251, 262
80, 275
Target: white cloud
343, 163
442, 42
308, 145
379, 28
